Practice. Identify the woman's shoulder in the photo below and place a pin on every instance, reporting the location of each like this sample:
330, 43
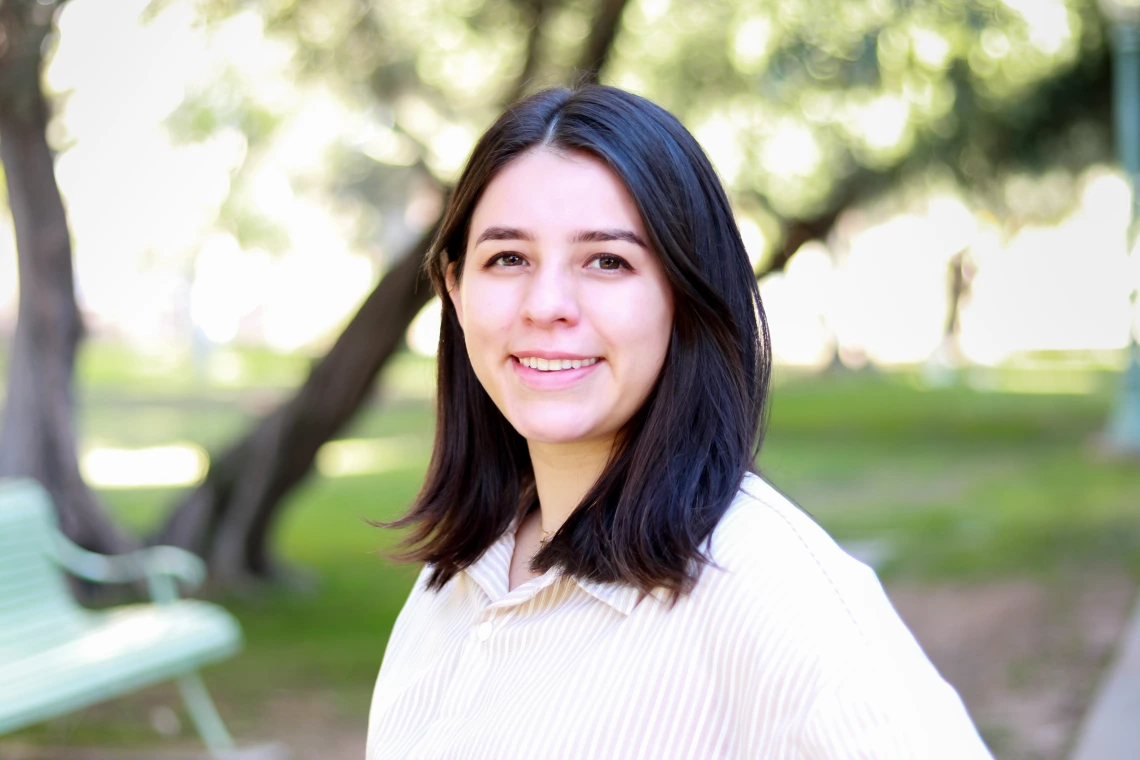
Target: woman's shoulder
763, 528
766, 551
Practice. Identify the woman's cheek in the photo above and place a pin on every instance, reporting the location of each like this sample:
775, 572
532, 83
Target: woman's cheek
489, 308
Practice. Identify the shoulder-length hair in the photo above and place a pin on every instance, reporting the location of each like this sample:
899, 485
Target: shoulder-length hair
677, 464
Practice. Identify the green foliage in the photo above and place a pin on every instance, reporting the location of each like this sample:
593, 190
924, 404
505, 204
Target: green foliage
224, 104
797, 99
806, 107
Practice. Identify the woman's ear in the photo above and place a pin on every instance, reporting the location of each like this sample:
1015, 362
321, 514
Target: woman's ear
453, 292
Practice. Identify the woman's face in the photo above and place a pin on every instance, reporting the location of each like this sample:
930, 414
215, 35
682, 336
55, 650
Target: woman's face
566, 311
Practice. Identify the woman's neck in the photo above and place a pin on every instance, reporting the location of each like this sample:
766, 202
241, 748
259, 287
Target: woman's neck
563, 473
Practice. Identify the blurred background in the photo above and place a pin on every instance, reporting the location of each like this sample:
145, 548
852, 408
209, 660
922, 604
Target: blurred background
931, 192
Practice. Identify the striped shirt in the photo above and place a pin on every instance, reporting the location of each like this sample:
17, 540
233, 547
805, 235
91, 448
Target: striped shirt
787, 648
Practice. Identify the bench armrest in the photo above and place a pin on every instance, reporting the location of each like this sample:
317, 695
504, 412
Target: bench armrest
160, 566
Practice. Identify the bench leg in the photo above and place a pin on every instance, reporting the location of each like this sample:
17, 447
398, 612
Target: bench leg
204, 714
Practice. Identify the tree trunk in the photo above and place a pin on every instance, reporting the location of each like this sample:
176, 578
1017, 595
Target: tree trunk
535, 12
950, 352
600, 43
37, 435
228, 520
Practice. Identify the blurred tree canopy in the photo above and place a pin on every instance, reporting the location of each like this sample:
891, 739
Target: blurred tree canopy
806, 108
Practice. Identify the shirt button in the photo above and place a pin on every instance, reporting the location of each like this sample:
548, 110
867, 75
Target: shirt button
483, 632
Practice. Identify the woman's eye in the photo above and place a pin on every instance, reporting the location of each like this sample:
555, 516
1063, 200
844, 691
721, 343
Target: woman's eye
608, 261
508, 260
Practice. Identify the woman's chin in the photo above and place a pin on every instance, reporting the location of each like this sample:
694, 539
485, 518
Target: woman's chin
560, 433
558, 438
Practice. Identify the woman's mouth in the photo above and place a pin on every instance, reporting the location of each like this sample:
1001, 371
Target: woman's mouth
543, 374
553, 365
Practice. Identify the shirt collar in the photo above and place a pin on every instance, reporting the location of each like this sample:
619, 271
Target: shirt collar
492, 568
620, 596
490, 572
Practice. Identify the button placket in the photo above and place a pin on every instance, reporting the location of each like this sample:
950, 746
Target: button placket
493, 616
493, 621
484, 624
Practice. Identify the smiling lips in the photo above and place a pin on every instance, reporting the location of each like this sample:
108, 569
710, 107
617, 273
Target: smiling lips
554, 365
542, 374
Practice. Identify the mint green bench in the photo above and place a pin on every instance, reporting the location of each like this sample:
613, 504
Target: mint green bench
56, 656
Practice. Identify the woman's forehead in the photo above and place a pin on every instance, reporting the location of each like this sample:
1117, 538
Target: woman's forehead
544, 192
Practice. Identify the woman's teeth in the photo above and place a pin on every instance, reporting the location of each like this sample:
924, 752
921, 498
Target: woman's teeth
550, 365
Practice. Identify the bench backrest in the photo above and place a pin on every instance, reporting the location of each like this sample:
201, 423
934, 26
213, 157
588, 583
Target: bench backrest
36, 606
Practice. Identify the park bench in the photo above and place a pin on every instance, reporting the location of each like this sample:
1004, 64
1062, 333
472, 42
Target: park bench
57, 657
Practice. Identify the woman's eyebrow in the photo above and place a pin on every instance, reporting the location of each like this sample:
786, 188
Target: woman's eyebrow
582, 236
503, 233
605, 236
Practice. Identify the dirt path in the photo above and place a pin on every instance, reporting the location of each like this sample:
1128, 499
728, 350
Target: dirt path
1025, 655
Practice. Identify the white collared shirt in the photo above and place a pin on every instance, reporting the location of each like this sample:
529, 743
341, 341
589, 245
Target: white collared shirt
788, 649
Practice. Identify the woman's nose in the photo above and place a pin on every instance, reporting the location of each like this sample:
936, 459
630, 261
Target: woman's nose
550, 297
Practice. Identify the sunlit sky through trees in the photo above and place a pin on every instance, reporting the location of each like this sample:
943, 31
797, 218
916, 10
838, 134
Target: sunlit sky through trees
247, 174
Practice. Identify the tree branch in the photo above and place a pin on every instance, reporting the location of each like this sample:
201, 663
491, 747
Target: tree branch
798, 232
536, 12
600, 43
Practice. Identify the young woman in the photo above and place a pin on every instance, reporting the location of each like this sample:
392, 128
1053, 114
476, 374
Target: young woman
605, 574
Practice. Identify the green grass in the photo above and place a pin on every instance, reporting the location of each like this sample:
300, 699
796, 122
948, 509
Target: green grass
963, 484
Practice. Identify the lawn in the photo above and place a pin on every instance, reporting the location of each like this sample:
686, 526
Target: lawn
952, 485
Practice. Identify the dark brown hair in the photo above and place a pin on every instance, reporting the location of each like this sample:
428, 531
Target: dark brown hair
679, 461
